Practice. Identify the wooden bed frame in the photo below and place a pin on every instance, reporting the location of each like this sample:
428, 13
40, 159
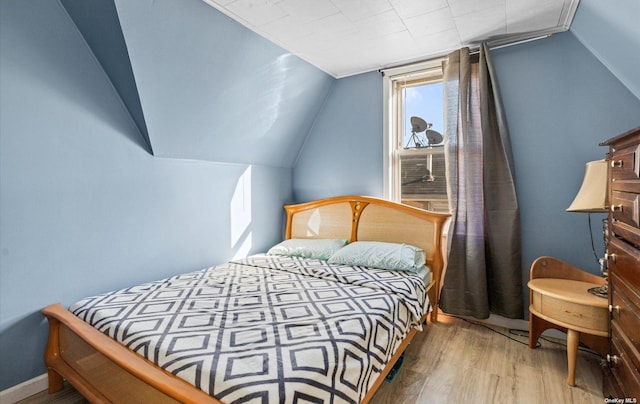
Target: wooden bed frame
103, 370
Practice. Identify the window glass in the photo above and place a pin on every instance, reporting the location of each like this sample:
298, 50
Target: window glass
424, 101
418, 171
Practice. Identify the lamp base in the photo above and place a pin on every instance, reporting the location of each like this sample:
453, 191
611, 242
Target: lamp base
600, 291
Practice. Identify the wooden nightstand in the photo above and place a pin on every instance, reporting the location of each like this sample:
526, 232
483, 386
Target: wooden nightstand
560, 300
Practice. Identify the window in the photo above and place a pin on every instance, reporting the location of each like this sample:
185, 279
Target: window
414, 126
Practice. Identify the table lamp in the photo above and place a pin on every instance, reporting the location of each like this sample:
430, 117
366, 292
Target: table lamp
593, 197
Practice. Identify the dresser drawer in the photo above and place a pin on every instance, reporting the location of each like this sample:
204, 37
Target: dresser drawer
623, 260
625, 207
625, 163
625, 169
627, 232
624, 313
623, 368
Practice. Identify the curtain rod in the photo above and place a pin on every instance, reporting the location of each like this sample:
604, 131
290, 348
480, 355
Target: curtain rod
506, 45
475, 51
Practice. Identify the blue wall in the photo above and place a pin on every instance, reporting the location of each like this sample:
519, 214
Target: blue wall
560, 102
343, 153
84, 207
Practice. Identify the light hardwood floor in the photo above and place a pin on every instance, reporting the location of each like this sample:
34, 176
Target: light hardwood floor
455, 361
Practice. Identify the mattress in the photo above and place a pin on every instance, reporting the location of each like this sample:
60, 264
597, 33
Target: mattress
267, 328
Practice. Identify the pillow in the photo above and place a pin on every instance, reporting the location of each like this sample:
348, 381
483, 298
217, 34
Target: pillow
377, 254
308, 247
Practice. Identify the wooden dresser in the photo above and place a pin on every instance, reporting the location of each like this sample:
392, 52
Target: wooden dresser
622, 375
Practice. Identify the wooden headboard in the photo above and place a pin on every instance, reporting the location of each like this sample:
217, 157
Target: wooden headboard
361, 218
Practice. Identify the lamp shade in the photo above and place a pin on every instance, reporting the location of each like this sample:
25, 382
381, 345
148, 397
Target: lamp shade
593, 195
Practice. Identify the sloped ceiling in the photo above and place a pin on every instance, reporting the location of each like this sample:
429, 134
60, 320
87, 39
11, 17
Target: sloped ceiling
612, 33
201, 86
98, 22
215, 91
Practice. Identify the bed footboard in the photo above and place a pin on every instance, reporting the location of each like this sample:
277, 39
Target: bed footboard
103, 370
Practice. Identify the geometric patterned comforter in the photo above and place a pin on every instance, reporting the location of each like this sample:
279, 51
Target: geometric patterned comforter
267, 329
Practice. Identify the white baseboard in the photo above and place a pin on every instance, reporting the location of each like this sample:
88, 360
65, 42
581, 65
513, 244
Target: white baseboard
24, 389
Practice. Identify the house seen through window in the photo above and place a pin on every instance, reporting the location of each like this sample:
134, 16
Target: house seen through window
417, 142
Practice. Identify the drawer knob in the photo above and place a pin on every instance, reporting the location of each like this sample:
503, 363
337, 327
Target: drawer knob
613, 359
610, 257
615, 308
616, 163
616, 208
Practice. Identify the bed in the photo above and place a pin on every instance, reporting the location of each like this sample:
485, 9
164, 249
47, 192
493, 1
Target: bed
267, 339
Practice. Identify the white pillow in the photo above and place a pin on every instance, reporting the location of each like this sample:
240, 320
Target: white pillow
377, 254
308, 247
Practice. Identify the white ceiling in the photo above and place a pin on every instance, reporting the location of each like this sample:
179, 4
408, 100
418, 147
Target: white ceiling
346, 37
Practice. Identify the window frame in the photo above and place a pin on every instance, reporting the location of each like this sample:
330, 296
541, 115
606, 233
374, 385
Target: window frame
400, 77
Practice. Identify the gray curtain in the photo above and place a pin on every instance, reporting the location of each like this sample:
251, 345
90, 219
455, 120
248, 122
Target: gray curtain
484, 269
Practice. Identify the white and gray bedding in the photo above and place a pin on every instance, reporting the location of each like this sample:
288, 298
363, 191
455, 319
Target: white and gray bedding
267, 328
